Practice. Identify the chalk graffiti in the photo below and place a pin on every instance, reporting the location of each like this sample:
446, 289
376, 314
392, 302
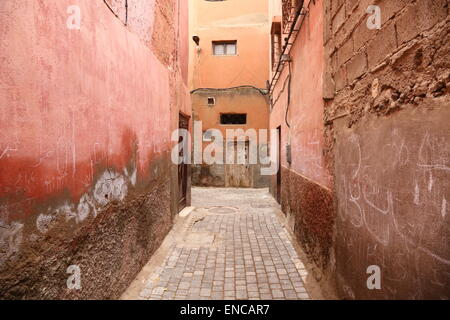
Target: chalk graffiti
7, 149
374, 199
308, 145
397, 200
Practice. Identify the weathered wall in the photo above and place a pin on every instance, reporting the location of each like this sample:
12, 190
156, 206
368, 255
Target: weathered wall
306, 183
393, 206
85, 143
387, 133
239, 100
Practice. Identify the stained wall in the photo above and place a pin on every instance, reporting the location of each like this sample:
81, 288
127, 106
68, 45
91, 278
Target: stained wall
85, 145
387, 134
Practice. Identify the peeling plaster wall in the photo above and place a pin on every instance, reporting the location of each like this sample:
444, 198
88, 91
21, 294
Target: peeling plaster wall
387, 121
85, 171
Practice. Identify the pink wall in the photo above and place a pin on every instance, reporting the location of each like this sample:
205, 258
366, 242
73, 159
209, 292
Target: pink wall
306, 109
183, 39
75, 102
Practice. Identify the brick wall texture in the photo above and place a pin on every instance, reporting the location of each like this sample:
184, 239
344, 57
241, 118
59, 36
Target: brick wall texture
387, 142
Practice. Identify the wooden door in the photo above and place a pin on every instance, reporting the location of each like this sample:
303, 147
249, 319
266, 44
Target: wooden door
182, 168
238, 175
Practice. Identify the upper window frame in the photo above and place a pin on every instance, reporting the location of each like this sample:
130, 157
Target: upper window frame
224, 42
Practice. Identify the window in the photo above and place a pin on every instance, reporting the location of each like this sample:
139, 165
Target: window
233, 118
224, 48
211, 101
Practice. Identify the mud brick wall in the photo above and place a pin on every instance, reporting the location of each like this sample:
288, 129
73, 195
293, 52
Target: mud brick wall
387, 140
86, 177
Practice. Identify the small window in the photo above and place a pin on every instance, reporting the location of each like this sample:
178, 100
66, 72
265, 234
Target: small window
224, 48
211, 101
233, 118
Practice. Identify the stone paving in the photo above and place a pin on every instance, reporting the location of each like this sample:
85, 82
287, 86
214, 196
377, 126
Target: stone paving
233, 247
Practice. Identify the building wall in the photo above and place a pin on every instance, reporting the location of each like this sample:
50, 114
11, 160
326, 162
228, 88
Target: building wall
240, 100
85, 170
244, 21
248, 70
306, 182
387, 134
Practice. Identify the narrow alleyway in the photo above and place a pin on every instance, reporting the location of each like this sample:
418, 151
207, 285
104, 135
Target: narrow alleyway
232, 245
113, 111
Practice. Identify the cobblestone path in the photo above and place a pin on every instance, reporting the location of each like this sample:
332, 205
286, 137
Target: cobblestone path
231, 246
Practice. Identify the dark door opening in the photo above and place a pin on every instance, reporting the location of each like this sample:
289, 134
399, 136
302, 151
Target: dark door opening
182, 167
279, 167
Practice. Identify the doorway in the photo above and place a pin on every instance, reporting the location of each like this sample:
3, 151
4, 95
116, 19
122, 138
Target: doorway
183, 166
238, 175
279, 167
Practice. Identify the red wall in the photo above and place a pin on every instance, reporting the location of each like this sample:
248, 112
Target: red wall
72, 99
86, 115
